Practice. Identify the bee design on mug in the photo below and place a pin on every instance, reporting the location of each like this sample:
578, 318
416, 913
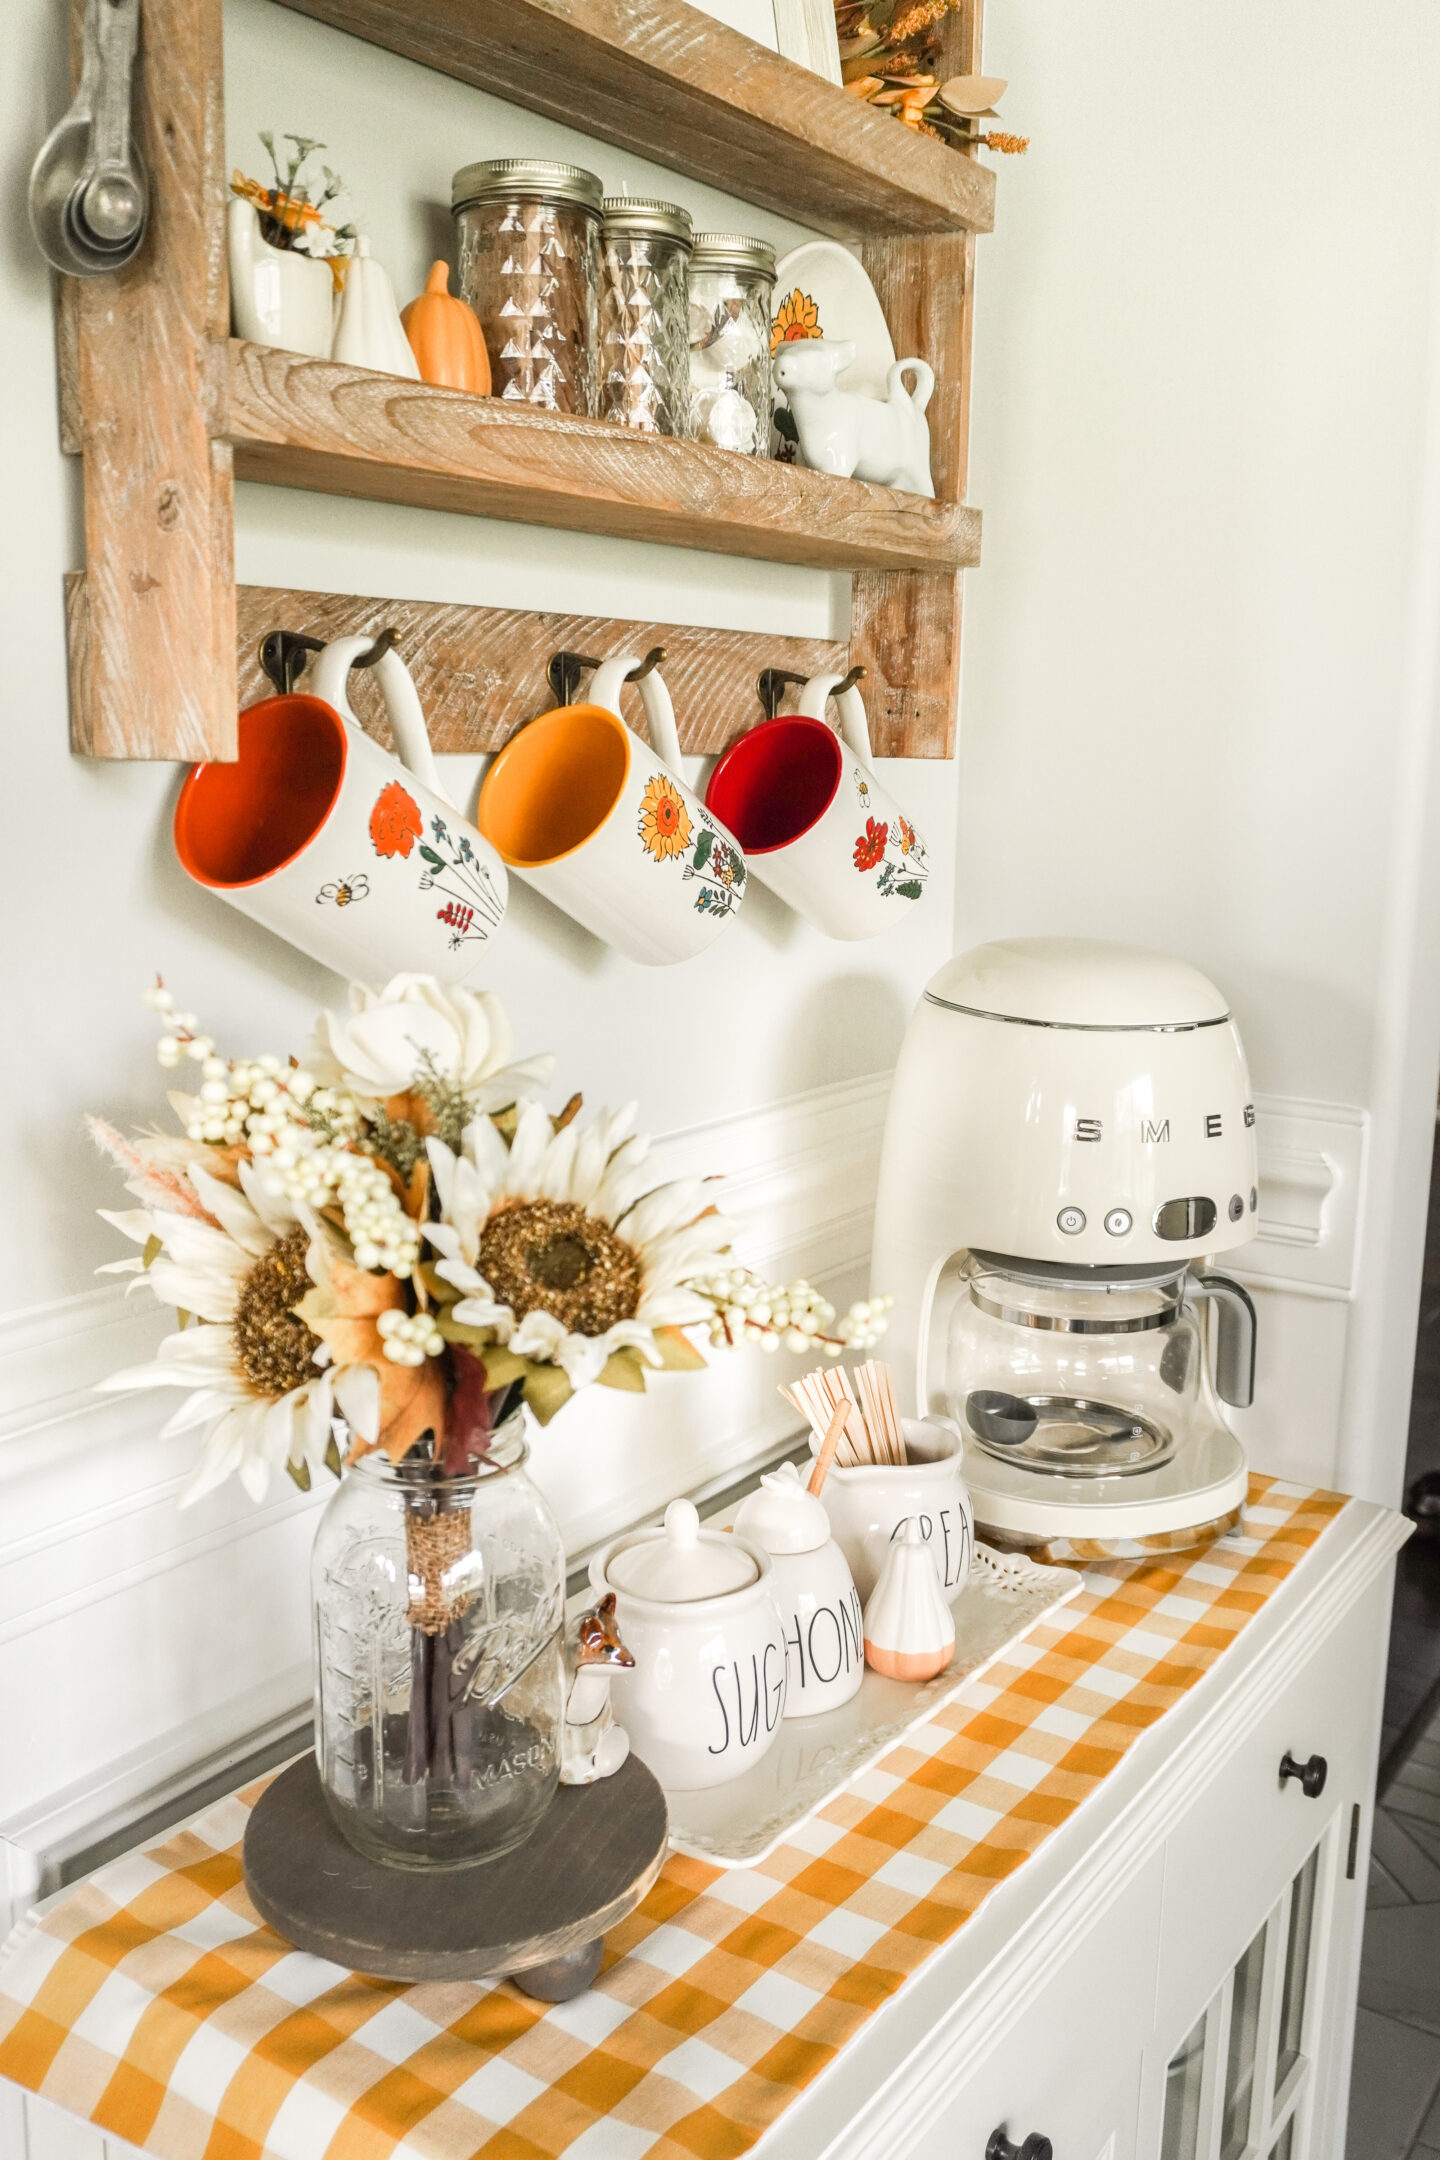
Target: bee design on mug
343, 891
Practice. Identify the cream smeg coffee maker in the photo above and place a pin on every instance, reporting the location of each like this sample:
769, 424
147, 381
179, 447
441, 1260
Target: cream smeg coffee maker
1070, 1141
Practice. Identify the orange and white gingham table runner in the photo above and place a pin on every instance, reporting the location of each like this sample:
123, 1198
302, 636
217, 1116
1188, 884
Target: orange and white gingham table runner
155, 2003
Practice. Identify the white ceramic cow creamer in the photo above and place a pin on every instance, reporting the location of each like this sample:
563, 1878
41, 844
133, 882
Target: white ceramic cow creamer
865, 438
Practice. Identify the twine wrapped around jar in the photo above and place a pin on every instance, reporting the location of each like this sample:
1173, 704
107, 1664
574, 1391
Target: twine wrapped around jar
434, 1544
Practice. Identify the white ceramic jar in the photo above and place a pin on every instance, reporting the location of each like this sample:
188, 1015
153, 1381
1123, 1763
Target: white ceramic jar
813, 1587
696, 1608
868, 1505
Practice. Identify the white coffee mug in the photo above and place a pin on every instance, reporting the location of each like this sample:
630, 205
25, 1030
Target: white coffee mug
601, 823
356, 858
815, 823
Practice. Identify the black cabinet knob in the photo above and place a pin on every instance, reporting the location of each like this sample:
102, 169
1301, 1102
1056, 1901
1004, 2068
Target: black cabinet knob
1034, 2147
1312, 1774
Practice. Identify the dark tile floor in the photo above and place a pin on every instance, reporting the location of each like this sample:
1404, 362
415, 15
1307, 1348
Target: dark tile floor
1395, 2086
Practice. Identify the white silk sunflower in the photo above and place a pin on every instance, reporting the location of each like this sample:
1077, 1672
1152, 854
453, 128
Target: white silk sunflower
465, 1036
240, 1263
559, 1251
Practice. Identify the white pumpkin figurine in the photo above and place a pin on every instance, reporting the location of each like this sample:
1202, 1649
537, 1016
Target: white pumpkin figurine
369, 332
909, 1628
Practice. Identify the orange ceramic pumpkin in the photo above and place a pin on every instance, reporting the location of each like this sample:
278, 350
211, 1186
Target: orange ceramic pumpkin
446, 338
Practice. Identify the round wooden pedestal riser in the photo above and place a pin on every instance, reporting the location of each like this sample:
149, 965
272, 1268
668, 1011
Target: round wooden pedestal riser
537, 1913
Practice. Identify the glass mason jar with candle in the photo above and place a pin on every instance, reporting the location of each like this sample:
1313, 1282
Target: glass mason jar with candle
438, 1608
644, 333
529, 248
732, 282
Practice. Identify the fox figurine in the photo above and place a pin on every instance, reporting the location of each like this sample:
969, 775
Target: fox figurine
592, 1744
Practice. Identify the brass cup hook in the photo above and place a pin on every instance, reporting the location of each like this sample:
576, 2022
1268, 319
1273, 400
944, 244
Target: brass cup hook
772, 683
565, 669
283, 655
383, 644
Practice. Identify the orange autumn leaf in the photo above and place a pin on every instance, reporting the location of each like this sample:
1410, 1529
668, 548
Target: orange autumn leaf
343, 1309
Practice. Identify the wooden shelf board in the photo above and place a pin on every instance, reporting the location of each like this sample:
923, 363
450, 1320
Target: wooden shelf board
669, 83
318, 424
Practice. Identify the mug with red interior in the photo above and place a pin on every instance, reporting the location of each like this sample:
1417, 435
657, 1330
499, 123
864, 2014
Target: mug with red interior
815, 823
357, 858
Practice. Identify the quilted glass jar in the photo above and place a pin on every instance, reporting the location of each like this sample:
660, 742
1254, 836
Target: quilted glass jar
529, 249
732, 280
439, 1685
644, 316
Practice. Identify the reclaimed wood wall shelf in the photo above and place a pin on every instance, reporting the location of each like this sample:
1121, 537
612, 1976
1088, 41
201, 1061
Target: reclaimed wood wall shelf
345, 431
166, 408
664, 80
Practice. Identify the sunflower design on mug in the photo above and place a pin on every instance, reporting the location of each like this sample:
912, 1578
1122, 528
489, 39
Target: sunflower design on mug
664, 820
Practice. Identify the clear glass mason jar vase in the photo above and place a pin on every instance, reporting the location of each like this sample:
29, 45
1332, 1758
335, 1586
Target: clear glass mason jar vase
731, 284
438, 1608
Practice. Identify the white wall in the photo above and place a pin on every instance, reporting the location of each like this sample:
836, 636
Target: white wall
204, 1616
1197, 702
1194, 714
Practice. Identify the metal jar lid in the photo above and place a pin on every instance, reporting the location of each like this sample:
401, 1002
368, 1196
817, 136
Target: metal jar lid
733, 251
529, 178
646, 215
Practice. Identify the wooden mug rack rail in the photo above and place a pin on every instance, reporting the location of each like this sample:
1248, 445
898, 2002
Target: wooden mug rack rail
167, 409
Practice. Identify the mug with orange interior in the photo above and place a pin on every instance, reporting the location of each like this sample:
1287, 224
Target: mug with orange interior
356, 858
601, 823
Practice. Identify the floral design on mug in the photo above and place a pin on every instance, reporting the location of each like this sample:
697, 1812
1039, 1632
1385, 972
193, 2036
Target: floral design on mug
721, 867
472, 909
667, 830
344, 892
664, 821
870, 847
895, 849
395, 821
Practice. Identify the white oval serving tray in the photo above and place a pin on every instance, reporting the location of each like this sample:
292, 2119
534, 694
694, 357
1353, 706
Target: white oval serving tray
739, 1824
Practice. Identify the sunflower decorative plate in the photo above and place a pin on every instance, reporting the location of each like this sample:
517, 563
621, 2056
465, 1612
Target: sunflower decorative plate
821, 291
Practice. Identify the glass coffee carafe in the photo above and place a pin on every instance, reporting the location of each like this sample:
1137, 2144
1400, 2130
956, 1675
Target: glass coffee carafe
1091, 1372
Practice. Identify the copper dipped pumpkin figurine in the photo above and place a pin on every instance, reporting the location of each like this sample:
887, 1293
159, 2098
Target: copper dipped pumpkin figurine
446, 338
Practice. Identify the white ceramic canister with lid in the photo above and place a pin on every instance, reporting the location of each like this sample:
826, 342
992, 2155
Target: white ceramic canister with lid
814, 1589
870, 1504
696, 1609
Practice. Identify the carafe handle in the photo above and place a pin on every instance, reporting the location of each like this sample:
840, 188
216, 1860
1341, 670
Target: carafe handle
1235, 1341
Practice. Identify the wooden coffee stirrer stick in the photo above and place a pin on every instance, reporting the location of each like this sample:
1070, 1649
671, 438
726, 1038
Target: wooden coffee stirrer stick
821, 1467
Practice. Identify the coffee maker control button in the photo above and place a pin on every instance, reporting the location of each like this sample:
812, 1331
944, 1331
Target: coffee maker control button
1237, 1207
1119, 1221
1179, 1219
1071, 1220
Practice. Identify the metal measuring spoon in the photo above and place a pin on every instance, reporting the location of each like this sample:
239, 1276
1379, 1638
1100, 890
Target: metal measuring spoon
64, 155
107, 210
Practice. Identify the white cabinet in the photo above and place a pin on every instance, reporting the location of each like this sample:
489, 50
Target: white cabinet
1172, 1976
1071, 2067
